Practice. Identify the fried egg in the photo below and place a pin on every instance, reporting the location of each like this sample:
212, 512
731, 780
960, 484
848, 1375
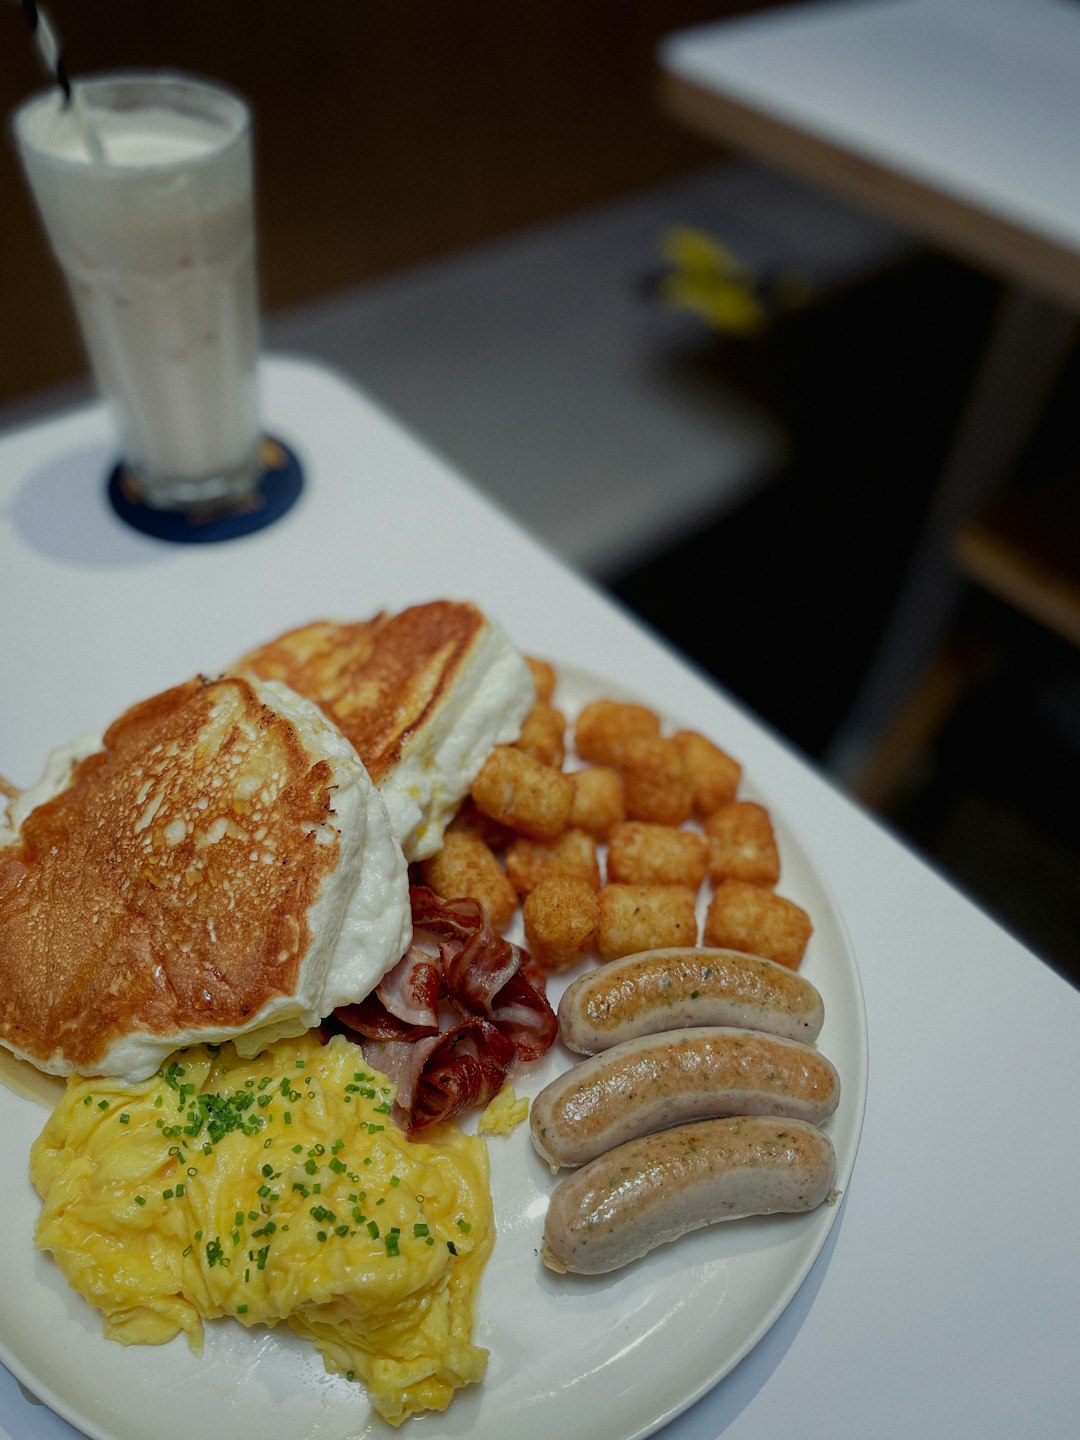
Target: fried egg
273, 1190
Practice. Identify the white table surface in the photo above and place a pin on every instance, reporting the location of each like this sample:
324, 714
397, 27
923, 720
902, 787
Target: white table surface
974, 100
947, 1299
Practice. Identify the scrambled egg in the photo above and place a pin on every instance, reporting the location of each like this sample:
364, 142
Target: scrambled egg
504, 1114
273, 1189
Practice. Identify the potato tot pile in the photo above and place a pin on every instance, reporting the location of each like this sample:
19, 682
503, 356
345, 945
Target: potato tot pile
613, 837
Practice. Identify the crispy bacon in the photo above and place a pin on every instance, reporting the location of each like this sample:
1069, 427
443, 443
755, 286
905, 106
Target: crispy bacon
485, 977
405, 1004
447, 1074
455, 956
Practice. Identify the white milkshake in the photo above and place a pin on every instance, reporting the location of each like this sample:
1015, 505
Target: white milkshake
158, 247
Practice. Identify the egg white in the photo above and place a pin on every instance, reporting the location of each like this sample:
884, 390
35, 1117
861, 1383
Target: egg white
489, 698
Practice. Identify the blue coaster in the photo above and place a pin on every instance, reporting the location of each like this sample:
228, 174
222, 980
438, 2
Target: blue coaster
278, 489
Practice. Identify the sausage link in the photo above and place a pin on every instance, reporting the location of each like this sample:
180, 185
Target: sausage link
667, 989
652, 1190
675, 1076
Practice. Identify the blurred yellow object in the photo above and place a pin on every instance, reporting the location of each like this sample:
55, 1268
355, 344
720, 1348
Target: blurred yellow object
710, 282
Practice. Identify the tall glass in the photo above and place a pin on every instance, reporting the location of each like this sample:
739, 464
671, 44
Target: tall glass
153, 226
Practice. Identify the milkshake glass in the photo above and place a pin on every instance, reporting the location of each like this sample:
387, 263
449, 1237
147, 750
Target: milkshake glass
145, 192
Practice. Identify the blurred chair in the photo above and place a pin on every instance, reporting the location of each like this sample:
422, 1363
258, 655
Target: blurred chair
1021, 544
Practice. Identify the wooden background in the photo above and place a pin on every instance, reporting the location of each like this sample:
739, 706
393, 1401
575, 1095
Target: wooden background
386, 130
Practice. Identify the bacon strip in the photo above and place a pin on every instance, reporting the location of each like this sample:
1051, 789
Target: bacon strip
405, 1004
455, 956
464, 1067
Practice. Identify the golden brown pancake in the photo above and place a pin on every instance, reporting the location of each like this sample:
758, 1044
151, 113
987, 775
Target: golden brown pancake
189, 880
423, 696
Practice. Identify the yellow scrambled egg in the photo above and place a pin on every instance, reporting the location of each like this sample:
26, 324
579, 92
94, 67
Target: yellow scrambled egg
274, 1189
504, 1114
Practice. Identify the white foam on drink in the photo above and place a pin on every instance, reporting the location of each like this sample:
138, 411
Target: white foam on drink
133, 138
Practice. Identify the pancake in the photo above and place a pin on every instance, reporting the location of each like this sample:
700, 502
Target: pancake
424, 696
216, 866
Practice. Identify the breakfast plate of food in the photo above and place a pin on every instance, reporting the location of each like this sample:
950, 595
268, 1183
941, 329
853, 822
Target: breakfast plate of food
388, 1023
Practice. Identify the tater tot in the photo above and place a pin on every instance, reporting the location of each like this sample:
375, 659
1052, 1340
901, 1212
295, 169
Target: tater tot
656, 786
471, 821
561, 917
644, 917
644, 854
604, 726
543, 734
543, 674
528, 862
757, 921
742, 845
518, 791
598, 800
466, 867
714, 775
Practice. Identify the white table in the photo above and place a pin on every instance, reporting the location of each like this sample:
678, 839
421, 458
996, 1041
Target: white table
946, 1300
958, 119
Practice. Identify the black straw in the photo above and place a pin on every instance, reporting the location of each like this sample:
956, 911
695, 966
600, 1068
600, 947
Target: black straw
33, 19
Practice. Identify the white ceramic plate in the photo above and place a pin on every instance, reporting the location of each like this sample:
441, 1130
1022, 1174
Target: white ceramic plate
569, 1355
